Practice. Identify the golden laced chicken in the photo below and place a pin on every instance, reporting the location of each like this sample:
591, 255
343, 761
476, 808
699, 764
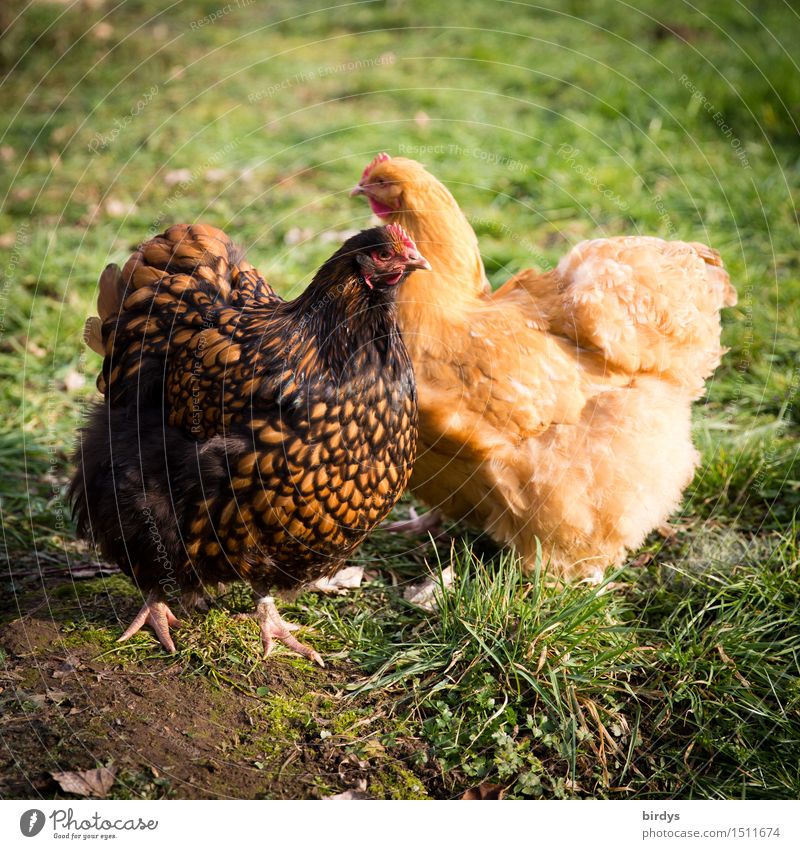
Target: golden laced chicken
557, 408
244, 436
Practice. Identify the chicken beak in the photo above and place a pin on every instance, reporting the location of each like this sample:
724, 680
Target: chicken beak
358, 190
417, 261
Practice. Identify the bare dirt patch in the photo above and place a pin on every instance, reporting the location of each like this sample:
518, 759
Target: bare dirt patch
169, 731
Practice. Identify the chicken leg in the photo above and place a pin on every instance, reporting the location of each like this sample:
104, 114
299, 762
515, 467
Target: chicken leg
274, 628
158, 616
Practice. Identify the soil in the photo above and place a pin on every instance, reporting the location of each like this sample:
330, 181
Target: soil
170, 731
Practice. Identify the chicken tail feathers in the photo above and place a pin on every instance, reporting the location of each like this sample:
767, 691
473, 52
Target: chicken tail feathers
201, 252
649, 305
93, 335
713, 259
112, 292
169, 290
109, 303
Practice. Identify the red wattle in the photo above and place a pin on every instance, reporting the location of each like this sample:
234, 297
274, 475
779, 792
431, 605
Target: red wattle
380, 209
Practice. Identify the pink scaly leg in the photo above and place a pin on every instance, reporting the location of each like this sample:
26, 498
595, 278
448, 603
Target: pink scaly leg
274, 628
158, 616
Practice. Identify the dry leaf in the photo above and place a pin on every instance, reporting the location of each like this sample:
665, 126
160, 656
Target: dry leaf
57, 696
91, 782
179, 175
348, 794
61, 134
73, 380
424, 595
119, 208
348, 578
68, 667
102, 30
334, 237
485, 790
667, 532
99, 571
296, 235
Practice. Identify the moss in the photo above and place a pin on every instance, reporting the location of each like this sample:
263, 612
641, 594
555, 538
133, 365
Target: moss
79, 634
343, 721
287, 717
114, 586
396, 782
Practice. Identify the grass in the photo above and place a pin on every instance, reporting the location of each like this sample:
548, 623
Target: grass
551, 123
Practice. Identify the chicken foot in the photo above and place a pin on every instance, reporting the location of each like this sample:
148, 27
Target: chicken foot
158, 616
274, 628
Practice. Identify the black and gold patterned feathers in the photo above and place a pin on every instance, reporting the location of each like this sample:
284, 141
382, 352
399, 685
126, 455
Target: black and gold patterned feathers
243, 435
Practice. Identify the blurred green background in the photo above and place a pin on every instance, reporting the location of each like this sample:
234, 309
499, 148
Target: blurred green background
551, 123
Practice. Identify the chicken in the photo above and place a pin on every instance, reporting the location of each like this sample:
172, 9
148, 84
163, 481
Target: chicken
556, 410
243, 436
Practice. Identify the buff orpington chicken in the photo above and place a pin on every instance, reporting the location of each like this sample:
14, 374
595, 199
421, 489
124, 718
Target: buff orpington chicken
558, 408
243, 436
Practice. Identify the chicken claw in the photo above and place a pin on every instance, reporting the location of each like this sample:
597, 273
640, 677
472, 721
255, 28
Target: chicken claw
158, 616
430, 522
274, 628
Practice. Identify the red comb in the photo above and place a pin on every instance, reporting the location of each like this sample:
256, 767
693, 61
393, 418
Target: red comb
399, 234
381, 157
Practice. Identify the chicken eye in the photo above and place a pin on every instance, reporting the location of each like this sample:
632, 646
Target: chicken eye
384, 255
